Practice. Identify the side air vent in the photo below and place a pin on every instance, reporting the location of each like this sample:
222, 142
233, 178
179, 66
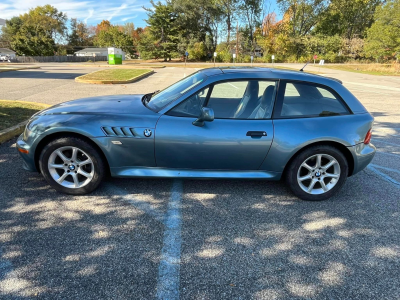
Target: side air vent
118, 131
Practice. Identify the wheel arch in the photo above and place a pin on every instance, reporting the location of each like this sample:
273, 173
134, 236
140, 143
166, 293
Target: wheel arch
342, 148
47, 139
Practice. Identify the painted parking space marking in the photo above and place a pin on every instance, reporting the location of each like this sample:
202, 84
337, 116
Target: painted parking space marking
384, 142
389, 154
169, 268
374, 168
376, 86
168, 280
233, 85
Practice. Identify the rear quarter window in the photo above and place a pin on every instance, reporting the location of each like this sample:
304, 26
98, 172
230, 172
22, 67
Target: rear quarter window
309, 100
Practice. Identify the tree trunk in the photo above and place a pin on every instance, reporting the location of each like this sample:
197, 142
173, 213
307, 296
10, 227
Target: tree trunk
228, 23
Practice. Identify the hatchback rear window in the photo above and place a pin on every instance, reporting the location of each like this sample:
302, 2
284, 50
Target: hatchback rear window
307, 100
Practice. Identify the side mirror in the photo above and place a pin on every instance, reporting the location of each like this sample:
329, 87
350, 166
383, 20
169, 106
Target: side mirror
207, 115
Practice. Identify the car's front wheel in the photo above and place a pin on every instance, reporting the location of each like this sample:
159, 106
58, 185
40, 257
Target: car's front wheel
317, 173
72, 165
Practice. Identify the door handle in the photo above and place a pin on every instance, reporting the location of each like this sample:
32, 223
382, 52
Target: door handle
256, 133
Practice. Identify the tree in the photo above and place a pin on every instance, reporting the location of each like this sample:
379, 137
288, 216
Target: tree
229, 9
36, 32
148, 45
161, 19
136, 35
80, 34
251, 14
348, 19
384, 35
303, 14
198, 20
128, 28
103, 26
113, 36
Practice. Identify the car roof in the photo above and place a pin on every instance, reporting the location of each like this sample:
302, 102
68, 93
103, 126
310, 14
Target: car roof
279, 73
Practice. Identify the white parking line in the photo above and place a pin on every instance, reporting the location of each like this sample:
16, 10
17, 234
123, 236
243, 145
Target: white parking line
233, 85
376, 86
169, 268
390, 154
388, 143
385, 177
387, 169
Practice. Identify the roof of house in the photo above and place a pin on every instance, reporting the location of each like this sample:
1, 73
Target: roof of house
2, 22
92, 50
6, 51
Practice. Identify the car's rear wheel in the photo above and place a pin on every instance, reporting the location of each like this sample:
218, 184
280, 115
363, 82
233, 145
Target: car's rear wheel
72, 165
317, 173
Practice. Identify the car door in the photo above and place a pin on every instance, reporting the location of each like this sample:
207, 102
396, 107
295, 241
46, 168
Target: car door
237, 139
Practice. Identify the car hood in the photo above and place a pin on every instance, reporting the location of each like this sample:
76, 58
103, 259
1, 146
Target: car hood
116, 104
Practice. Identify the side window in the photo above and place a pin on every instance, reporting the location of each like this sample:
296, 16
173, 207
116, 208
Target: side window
191, 107
290, 90
225, 98
310, 100
250, 99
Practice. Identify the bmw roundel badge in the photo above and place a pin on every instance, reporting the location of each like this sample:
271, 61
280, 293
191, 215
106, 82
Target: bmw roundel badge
147, 132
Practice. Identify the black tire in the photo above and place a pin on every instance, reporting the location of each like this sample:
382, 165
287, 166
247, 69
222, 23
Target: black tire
293, 169
92, 152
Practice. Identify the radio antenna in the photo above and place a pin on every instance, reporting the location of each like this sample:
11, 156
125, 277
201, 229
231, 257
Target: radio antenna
302, 69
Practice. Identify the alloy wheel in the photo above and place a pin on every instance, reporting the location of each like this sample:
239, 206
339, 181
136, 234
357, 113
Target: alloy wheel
71, 167
318, 174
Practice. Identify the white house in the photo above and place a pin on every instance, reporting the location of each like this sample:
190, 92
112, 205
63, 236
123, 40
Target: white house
97, 51
2, 22
5, 52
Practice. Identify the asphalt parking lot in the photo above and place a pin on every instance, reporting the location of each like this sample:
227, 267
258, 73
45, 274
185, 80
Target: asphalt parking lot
199, 239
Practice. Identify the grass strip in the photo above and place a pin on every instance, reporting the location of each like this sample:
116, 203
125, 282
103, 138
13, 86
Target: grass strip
14, 112
114, 74
372, 69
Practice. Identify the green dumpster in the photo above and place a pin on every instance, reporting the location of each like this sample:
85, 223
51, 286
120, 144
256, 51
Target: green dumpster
114, 56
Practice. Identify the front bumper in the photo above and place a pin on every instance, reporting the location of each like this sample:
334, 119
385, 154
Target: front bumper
363, 155
27, 155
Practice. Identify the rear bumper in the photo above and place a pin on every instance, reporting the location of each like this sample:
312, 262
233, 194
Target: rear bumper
363, 155
28, 158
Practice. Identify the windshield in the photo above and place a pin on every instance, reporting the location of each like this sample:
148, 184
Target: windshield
173, 92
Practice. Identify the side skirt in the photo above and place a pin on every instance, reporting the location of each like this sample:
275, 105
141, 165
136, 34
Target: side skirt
193, 174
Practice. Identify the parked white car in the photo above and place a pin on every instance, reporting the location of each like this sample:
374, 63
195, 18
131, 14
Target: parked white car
4, 58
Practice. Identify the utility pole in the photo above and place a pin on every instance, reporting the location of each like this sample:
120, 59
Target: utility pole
237, 39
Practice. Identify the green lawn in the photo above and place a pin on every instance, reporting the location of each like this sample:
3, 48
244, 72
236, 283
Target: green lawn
114, 74
372, 69
14, 112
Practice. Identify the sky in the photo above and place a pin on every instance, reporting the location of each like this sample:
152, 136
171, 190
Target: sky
90, 11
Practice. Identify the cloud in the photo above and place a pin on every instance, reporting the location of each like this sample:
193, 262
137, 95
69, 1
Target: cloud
126, 19
91, 11
117, 11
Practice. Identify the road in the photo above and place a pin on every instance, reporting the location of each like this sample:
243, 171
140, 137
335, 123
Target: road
199, 239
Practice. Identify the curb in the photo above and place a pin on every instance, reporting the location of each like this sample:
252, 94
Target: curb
9, 133
17, 69
128, 66
79, 79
